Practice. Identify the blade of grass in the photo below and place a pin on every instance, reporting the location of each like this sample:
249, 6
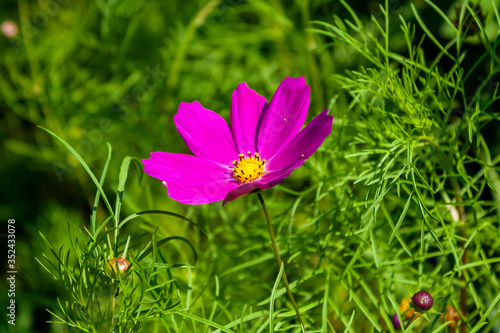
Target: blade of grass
85, 166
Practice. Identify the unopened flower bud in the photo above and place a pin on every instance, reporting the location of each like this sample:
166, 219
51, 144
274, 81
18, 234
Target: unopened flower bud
422, 301
395, 322
122, 264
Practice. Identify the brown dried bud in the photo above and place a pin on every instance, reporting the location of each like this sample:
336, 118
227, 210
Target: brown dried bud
469, 24
452, 315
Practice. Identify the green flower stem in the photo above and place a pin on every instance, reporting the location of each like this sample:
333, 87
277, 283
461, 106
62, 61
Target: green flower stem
278, 258
463, 233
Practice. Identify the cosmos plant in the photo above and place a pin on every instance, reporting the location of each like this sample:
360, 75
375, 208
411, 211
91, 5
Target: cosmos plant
263, 146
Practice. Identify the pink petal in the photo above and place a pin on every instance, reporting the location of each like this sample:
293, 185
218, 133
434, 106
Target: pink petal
263, 183
246, 108
303, 145
239, 191
284, 117
290, 157
190, 179
205, 133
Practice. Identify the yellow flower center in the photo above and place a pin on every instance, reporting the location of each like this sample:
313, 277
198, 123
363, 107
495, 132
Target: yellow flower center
248, 169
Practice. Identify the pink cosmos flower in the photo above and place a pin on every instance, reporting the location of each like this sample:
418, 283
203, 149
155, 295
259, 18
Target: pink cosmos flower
263, 146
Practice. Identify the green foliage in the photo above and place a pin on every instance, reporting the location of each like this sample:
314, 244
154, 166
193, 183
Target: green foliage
402, 196
105, 297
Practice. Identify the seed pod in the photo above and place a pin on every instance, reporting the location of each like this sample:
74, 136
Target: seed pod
422, 301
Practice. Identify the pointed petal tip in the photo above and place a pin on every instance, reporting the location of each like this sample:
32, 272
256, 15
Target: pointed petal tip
242, 85
246, 109
149, 160
299, 81
184, 104
323, 117
186, 107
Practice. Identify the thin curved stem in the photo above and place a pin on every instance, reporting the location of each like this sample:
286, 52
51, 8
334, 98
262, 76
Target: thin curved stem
278, 258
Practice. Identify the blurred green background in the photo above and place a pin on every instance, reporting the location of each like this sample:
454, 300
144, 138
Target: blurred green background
115, 71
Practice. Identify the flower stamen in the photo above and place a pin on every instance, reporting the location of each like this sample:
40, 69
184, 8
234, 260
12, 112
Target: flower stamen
248, 169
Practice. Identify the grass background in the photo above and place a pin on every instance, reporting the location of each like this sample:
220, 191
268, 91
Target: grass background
369, 220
